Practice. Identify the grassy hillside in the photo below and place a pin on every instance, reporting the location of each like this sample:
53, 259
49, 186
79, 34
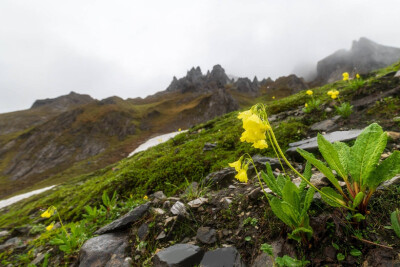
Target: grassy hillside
169, 166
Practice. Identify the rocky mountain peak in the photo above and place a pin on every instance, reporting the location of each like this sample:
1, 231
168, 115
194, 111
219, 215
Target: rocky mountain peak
363, 57
64, 102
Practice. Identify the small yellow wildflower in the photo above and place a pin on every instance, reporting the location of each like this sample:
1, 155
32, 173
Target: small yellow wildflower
309, 92
130, 196
273, 97
242, 176
345, 76
179, 130
49, 212
237, 165
145, 197
306, 105
48, 228
333, 93
358, 76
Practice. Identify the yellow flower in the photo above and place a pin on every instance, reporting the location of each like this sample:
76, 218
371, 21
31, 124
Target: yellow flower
245, 114
261, 144
237, 165
345, 76
49, 212
145, 197
334, 94
273, 97
242, 176
179, 129
306, 105
330, 92
358, 76
48, 228
309, 92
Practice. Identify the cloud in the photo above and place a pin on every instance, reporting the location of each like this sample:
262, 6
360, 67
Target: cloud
134, 48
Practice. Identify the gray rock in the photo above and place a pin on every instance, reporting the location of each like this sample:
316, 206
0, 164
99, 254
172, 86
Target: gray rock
206, 235
312, 145
10, 243
178, 208
38, 259
197, 202
179, 255
209, 146
161, 235
325, 125
260, 163
397, 74
126, 220
4, 233
143, 231
386, 184
220, 178
105, 250
222, 257
159, 195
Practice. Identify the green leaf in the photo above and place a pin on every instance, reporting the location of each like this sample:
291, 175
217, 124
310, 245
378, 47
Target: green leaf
385, 171
343, 151
290, 194
331, 156
270, 180
276, 207
336, 246
395, 219
355, 252
267, 248
357, 200
286, 261
358, 217
302, 230
333, 194
366, 152
307, 174
307, 201
340, 257
292, 213
321, 167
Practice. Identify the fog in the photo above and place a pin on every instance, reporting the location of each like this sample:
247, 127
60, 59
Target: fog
134, 48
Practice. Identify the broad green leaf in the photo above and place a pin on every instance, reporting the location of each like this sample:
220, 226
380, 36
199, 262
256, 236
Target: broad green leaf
333, 194
270, 180
385, 171
293, 214
357, 200
307, 202
395, 219
281, 181
331, 156
290, 194
355, 252
321, 167
276, 207
366, 152
289, 261
343, 151
307, 174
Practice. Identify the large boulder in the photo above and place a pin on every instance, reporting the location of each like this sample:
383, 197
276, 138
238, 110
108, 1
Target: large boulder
179, 255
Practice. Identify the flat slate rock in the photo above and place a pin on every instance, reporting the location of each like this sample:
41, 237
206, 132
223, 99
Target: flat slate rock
220, 178
105, 250
312, 145
125, 221
179, 255
206, 235
222, 257
325, 125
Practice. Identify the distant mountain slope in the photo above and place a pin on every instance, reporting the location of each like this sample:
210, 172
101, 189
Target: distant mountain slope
363, 57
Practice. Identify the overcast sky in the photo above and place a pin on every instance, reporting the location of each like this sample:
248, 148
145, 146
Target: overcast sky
134, 48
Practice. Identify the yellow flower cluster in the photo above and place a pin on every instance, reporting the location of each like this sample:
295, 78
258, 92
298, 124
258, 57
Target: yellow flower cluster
145, 197
241, 170
309, 92
306, 105
255, 129
48, 228
358, 76
345, 76
333, 94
